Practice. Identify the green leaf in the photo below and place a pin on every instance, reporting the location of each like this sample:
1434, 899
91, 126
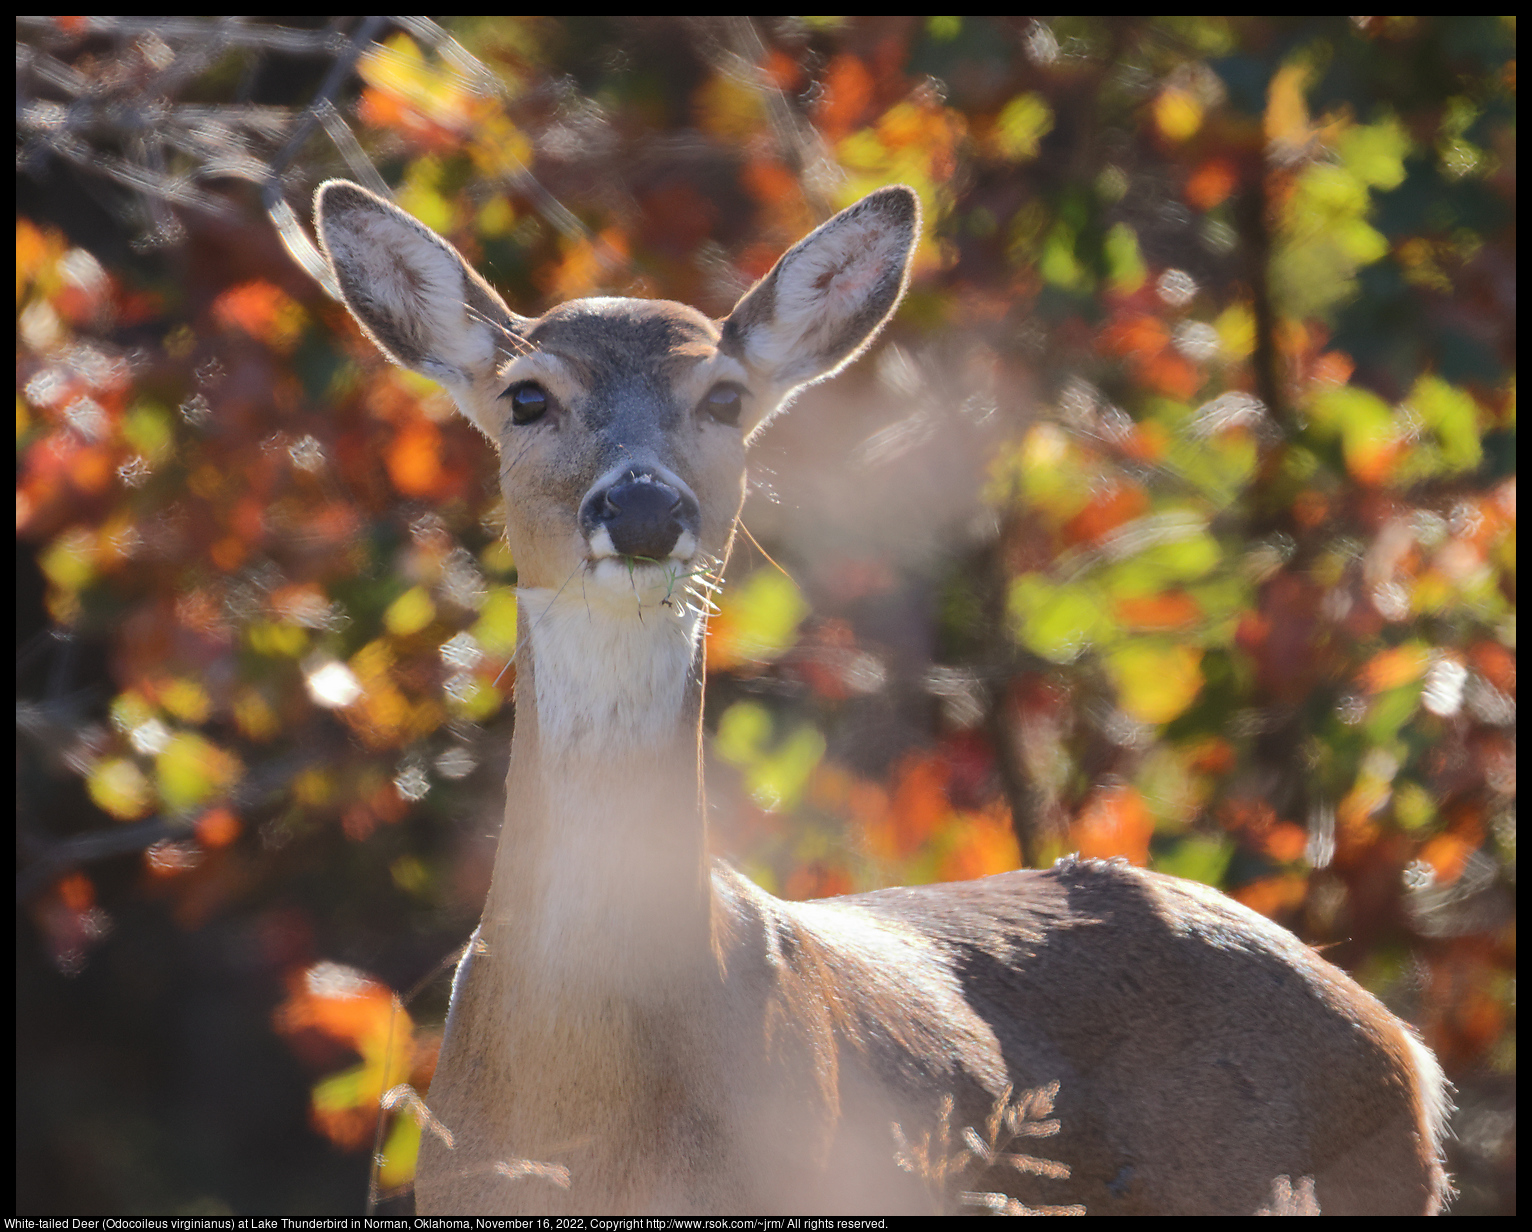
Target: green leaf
192, 770
1156, 681
763, 614
1162, 566
1058, 264
495, 630
400, 1152
1021, 124
1453, 416
1056, 622
777, 781
743, 732
1125, 264
1375, 153
1198, 859
410, 612
1390, 711
340, 1091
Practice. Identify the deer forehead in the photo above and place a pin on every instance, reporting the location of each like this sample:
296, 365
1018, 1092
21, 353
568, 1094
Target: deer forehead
611, 355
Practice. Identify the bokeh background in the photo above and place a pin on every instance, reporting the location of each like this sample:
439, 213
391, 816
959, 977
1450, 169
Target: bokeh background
1173, 517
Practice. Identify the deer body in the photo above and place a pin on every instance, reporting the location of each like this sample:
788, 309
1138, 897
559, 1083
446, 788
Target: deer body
677, 1038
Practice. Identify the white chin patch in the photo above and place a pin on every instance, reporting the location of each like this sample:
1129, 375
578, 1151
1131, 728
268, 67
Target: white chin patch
629, 579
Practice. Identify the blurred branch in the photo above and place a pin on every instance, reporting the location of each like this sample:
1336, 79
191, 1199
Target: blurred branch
799, 145
47, 858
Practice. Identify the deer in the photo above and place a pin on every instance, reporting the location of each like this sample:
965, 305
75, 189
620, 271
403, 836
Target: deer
648, 1022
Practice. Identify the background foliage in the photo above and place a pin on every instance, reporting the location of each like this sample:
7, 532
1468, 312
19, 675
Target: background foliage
1174, 518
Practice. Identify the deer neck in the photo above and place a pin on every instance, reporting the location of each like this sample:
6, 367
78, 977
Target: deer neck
600, 877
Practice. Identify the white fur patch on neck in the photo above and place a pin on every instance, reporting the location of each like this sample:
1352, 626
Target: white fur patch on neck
610, 664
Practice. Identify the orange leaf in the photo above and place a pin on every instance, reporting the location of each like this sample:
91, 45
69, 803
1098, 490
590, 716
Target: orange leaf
1286, 842
1355, 829
1310, 508
1114, 822
783, 70
920, 800
76, 891
218, 827
1147, 442
1211, 183
848, 89
1140, 335
1172, 374
1211, 755
1447, 854
228, 553
1272, 895
1109, 508
816, 880
986, 844
1172, 610
869, 806
414, 459
262, 310
1372, 461
1495, 663
337, 1001
1389, 669
1332, 368
768, 181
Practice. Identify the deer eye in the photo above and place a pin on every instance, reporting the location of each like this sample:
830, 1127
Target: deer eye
724, 403
529, 402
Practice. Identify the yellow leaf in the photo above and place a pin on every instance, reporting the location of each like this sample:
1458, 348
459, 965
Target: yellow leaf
191, 770
1155, 682
498, 149
186, 699
1021, 125
495, 630
254, 715
410, 612
757, 620
119, 788
1236, 331
70, 560
400, 1152
269, 637
743, 731
777, 780
729, 108
1177, 113
1286, 122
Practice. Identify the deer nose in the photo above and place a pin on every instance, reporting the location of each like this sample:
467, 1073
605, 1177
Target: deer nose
640, 514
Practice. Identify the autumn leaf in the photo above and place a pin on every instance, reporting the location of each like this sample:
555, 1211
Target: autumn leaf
1177, 113
757, 620
1155, 682
1399, 665
414, 458
1211, 184
1114, 822
353, 1009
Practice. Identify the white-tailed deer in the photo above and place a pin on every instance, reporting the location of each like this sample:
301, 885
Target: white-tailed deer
682, 1041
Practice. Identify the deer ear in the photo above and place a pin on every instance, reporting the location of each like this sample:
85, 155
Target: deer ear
411, 291
828, 296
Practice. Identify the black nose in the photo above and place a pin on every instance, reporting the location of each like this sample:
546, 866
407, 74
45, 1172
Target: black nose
643, 515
